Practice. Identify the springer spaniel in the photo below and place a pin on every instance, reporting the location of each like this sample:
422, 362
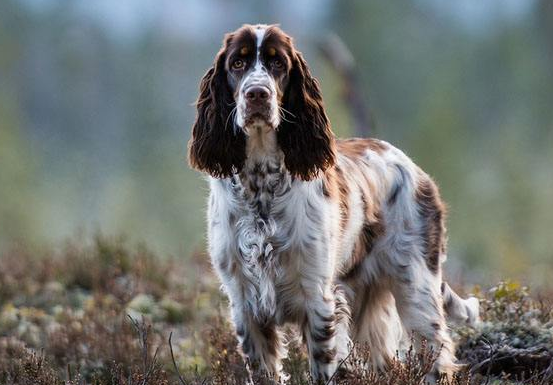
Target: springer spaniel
345, 238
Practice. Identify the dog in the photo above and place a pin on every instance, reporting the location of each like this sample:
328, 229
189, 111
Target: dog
344, 238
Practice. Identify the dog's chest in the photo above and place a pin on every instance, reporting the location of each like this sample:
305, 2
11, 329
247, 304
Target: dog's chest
260, 185
262, 225
259, 193
274, 223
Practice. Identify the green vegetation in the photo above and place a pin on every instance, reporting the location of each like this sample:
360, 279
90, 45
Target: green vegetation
102, 314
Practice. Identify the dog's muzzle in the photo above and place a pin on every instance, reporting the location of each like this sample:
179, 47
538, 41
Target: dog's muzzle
258, 99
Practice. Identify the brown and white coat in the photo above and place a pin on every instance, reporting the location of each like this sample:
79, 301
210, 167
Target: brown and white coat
344, 238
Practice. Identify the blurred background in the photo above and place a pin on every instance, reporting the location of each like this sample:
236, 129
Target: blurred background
96, 108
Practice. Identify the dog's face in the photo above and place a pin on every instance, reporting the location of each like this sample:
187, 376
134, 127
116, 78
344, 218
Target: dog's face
258, 66
259, 80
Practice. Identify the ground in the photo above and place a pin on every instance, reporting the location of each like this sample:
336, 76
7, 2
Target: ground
103, 313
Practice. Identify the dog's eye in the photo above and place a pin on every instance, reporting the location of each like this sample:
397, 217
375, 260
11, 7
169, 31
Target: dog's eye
238, 64
277, 64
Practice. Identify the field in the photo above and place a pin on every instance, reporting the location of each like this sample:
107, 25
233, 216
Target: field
103, 314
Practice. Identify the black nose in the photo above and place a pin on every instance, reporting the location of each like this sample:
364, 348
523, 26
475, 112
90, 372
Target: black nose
257, 94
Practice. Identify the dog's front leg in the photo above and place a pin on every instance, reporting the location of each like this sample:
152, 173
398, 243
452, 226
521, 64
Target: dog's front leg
319, 331
261, 345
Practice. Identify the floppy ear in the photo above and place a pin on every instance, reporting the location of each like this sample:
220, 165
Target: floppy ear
215, 146
305, 137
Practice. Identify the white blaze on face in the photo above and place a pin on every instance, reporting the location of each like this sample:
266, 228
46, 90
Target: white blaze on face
258, 75
259, 34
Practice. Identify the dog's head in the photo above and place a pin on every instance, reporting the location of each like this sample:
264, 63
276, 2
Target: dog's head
260, 81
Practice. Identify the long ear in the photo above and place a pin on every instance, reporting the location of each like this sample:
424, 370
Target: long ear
215, 146
305, 136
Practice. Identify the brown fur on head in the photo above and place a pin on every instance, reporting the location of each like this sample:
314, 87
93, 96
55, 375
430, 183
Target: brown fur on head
216, 147
260, 56
306, 139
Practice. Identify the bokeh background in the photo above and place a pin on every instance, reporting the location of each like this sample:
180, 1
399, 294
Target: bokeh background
96, 108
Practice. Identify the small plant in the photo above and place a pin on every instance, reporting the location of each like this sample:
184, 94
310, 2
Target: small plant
24, 366
515, 341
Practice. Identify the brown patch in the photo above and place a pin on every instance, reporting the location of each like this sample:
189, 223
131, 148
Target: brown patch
343, 193
325, 356
342, 310
432, 212
327, 329
242, 44
338, 183
269, 332
368, 189
352, 272
329, 186
326, 186
343, 196
357, 147
324, 334
335, 186
373, 229
369, 234
377, 146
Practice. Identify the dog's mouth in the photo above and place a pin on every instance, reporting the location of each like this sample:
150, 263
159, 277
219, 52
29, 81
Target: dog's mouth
259, 118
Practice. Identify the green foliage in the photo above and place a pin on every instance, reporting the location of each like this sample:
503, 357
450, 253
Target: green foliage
508, 298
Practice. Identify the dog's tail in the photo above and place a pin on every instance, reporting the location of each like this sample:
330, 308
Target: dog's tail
459, 310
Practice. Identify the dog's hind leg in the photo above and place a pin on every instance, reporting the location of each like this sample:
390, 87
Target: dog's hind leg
377, 325
420, 307
342, 327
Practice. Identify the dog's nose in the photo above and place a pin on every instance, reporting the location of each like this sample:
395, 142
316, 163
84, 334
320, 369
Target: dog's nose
257, 94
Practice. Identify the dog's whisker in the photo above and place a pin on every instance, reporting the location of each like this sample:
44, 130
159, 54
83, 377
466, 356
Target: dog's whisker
281, 112
232, 112
286, 120
285, 110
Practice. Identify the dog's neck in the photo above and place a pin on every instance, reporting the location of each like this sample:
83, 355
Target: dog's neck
261, 144
264, 175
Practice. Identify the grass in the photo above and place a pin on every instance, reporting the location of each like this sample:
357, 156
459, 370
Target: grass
103, 313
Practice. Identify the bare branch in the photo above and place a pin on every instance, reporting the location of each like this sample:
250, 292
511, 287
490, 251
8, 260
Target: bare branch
337, 53
181, 380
